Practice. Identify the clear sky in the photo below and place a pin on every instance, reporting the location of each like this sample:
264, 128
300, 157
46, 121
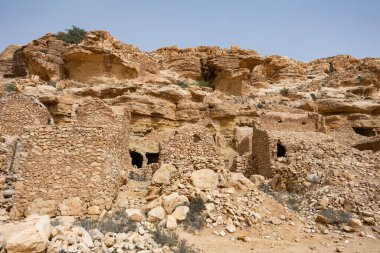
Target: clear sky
301, 29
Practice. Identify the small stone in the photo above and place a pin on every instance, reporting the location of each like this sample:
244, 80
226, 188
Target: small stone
134, 214
170, 202
109, 241
348, 229
353, 222
156, 214
171, 222
231, 228
180, 212
369, 220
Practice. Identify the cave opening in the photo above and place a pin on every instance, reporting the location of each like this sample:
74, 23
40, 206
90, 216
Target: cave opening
364, 131
152, 157
196, 138
137, 159
281, 150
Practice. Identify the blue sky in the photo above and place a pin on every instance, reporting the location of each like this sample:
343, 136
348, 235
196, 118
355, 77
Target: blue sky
301, 29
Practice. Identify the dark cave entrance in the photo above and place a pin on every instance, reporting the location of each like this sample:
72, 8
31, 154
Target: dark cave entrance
364, 131
137, 159
281, 150
152, 157
196, 138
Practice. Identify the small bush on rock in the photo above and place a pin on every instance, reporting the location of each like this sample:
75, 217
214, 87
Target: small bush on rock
284, 91
10, 87
182, 84
183, 247
202, 83
72, 36
116, 222
163, 237
195, 218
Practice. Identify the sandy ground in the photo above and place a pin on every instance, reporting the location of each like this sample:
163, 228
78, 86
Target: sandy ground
209, 242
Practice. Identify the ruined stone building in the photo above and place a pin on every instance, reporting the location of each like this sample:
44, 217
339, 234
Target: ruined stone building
192, 146
72, 169
277, 134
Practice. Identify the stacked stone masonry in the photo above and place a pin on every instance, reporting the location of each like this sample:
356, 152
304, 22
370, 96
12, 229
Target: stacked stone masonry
17, 111
73, 169
192, 146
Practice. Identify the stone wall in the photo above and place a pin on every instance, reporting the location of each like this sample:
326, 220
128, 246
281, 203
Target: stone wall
261, 152
66, 170
74, 169
279, 121
193, 147
269, 146
18, 111
8, 147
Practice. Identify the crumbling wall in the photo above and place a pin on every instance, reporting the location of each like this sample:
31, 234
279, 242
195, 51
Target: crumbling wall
280, 121
261, 152
115, 119
8, 147
74, 168
18, 111
191, 146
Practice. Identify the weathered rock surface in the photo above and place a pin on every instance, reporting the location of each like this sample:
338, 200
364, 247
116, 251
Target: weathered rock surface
30, 236
205, 179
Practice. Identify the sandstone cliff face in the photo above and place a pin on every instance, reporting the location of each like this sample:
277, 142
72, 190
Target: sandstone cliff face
242, 84
100, 57
43, 57
7, 61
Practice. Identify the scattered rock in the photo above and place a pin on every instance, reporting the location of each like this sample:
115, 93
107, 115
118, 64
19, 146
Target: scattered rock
205, 179
156, 214
134, 214
180, 213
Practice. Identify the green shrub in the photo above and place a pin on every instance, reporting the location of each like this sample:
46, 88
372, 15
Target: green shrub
195, 218
360, 78
72, 36
202, 83
163, 237
284, 91
182, 84
10, 87
116, 222
183, 247
44, 51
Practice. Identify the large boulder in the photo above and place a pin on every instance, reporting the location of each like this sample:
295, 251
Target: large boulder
163, 174
170, 202
205, 179
156, 214
30, 236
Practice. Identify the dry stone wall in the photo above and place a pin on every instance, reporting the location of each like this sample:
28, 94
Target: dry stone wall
74, 169
191, 146
280, 121
8, 147
71, 167
18, 111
